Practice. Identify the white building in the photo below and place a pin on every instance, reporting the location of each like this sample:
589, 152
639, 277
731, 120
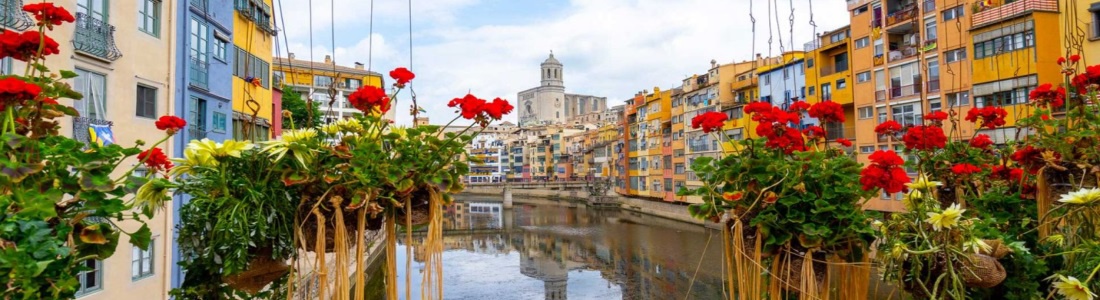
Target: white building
549, 104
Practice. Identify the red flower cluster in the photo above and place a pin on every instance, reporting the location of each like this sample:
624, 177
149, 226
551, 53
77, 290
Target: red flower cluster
472, 107
924, 138
1091, 76
710, 121
155, 160
814, 132
1006, 173
981, 141
48, 14
884, 172
14, 91
844, 141
1031, 158
773, 126
1072, 58
888, 128
1045, 95
24, 46
936, 117
369, 98
798, 106
827, 111
990, 116
171, 124
402, 76
965, 169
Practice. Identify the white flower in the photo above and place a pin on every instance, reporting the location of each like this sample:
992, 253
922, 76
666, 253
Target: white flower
977, 245
1081, 197
947, 218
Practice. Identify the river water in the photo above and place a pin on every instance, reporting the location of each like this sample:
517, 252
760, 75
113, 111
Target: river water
559, 250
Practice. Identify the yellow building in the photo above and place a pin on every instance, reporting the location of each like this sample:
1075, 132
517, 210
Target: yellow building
319, 80
1088, 19
829, 78
705, 93
658, 138
679, 157
253, 37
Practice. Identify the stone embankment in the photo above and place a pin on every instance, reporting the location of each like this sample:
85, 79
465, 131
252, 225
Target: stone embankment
651, 207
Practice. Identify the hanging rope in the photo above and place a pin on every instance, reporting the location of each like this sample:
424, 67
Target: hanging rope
412, 92
370, 38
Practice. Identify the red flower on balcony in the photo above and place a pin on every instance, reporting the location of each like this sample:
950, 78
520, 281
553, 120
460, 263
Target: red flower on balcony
1074, 58
170, 124
369, 99
155, 160
48, 15
965, 169
888, 128
827, 111
1045, 95
981, 141
24, 46
1062, 60
709, 121
402, 76
884, 172
936, 116
814, 132
989, 117
924, 138
844, 141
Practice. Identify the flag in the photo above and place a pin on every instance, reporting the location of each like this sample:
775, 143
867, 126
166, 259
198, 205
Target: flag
101, 135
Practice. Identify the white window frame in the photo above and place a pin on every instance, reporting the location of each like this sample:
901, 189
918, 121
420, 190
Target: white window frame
863, 77
866, 112
97, 271
863, 42
142, 262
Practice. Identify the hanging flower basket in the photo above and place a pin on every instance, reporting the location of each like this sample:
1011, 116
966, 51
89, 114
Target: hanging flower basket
261, 271
420, 211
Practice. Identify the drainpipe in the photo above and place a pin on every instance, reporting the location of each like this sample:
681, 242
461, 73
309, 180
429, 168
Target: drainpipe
168, 240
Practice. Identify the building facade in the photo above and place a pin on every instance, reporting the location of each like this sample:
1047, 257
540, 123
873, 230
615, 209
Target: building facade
253, 39
325, 81
550, 104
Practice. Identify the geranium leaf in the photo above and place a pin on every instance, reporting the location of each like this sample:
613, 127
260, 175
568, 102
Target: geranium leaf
142, 237
16, 171
66, 74
93, 234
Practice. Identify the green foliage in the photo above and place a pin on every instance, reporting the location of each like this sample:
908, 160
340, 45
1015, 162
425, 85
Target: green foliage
293, 103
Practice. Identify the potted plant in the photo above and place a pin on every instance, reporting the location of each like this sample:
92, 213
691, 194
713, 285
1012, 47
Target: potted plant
62, 197
793, 201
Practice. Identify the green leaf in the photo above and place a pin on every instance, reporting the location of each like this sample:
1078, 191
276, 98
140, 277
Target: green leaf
96, 181
12, 140
66, 74
41, 266
94, 234
142, 237
16, 171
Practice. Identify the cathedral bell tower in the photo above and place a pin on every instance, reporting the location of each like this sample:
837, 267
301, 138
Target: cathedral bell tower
551, 72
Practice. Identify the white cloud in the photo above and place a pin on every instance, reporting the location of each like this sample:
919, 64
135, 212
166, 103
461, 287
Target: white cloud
611, 48
357, 13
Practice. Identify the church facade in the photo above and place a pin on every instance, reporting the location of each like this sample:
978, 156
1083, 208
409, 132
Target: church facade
550, 104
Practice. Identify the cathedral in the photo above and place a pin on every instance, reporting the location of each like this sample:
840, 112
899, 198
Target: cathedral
549, 104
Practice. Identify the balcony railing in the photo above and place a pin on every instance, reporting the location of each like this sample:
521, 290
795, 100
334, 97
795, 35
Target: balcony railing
903, 53
905, 90
836, 131
929, 6
95, 37
993, 15
81, 126
880, 95
199, 76
196, 133
830, 70
878, 59
933, 85
13, 17
200, 4
902, 15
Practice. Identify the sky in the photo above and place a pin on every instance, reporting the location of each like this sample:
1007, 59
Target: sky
493, 48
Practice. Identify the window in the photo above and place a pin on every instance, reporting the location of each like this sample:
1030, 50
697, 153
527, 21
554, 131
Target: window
94, 88
935, 105
196, 115
859, 10
810, 63
866, 149
353, 83
826, 91
90, 280
219, 121
812, 90
1095, 28
1002, 98
955, 55
767, 79
200, 36
954, 13
933, 68
908, 114
141, 261
146, 102
930, 30
841, 84
866, 112
5, 66
735, 134
1010, 42
840, 62
149, 17
881, 115
97, 9
878, 47
863, 42
679, 169
322, 81
786, 73
863, 77
958, 99
220, 48
248, 65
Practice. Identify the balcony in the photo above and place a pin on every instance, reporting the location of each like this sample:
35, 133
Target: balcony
880, 96
991, 15
95, 37
200, 4
929, 6
901, 16
836, 131
878, 59
830, 70
196, 133
13, 17
933, 85
199, 74
905, 91
903, 53
81, 126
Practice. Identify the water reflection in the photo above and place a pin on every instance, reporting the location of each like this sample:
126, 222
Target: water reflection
549, 250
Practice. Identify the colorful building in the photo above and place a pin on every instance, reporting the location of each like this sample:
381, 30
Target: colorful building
1088, 19
325, 80
829, 78
253, 39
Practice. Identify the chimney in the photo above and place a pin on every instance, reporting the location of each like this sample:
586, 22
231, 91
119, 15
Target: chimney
358, 65
290, 55
713, 63
328, 59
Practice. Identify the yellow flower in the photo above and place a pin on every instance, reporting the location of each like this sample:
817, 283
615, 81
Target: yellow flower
299, 135
290, 143
977, 245
1057, 239
922, 183
233, 148
898, 250
331, 129
1073, 289
911, 199
947, 218
349, 125
1081, 197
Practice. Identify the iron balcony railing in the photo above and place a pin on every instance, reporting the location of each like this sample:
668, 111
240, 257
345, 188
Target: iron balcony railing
81, 126
95, 37
196, 133
12, 15
905, 90
199, 76
993, 15
902, 15
903, 53
830, 70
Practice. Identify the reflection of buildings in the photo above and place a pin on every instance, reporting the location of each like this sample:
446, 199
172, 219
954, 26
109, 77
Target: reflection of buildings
656, 260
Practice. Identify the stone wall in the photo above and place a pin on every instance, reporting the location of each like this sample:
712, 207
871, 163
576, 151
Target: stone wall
656, 208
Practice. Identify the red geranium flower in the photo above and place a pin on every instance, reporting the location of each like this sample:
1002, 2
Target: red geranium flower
937, 117
827, 111
469, 106
48, 14
709, 121
965, 169
989, 116
924, 138
1006, 173
814, 132
15, 91
171, 124
758, 107
981, 141
1031, 158
1044, 95
155, 160
798, 106
369, 98
782, 137
24, 46
889, 127
844, 141
1091, 76
884, 172
1061, 60
1074, 58
402, 76
498, 108
886, 158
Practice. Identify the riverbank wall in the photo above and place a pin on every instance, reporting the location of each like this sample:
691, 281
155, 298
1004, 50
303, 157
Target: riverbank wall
665, 210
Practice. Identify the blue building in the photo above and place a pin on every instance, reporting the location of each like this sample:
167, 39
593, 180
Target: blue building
785, 83
203, 87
